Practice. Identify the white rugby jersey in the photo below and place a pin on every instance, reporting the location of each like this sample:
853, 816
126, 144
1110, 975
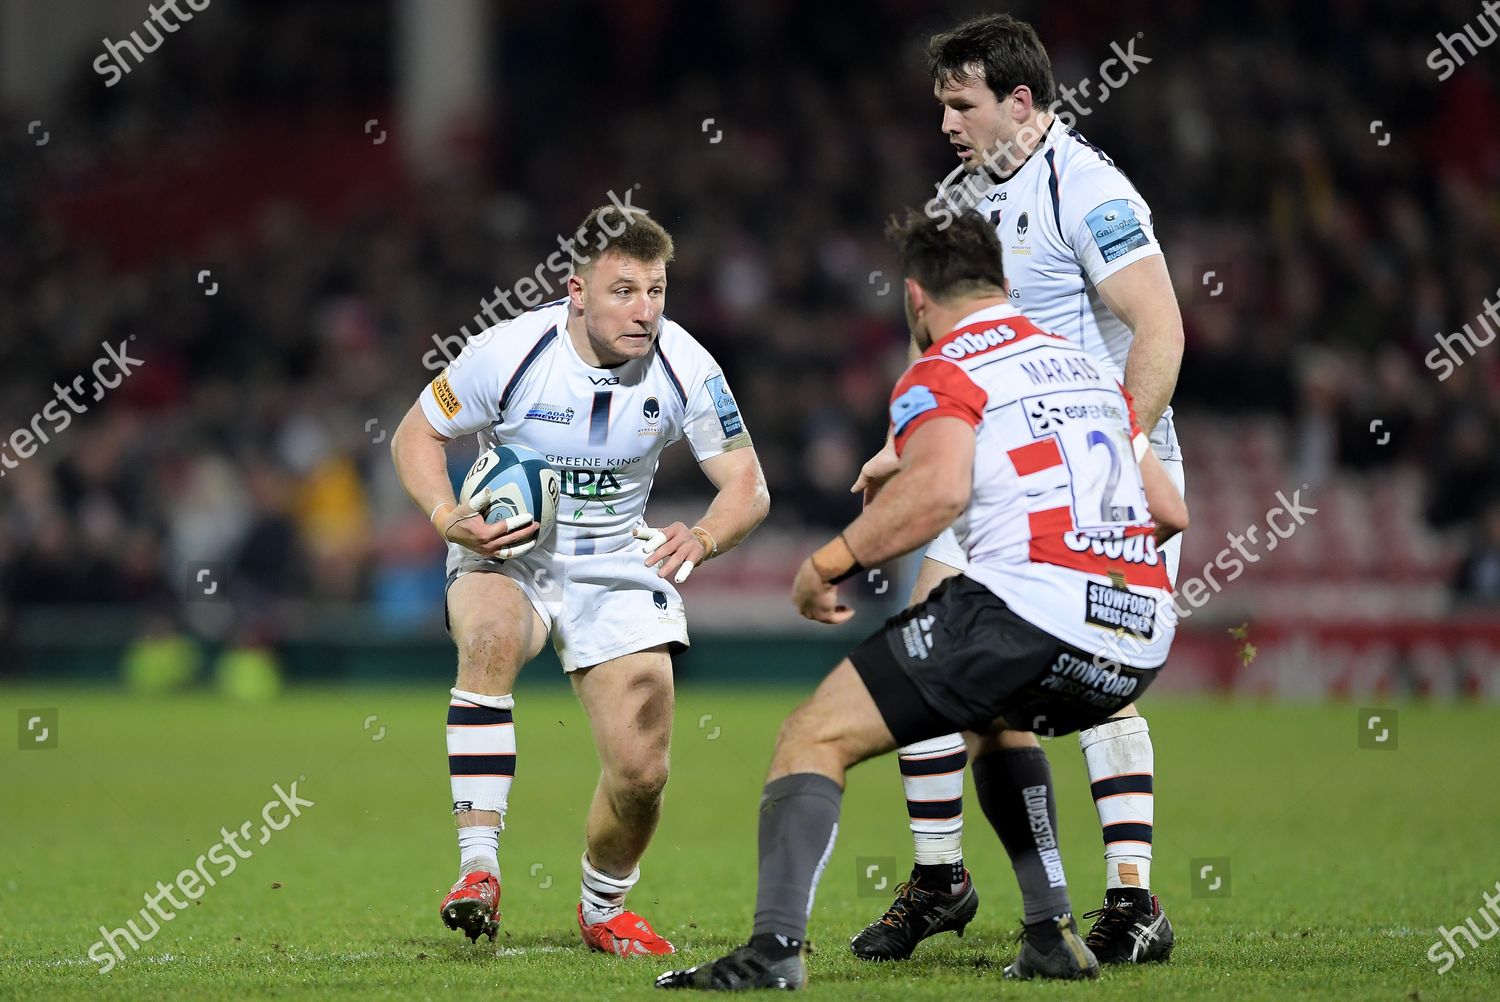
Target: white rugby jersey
1067, 220
523, 382
1057, 524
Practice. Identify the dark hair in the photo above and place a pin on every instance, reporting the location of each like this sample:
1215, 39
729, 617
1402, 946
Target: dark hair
949, 258
623, 230
1006, 51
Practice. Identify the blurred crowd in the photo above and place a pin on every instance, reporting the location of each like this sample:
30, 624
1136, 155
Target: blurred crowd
255, 435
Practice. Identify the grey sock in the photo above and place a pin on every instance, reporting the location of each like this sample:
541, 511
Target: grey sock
799, 819
1015, 793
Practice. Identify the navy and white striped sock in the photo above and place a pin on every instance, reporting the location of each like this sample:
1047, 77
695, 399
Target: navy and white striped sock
1121, 766
932, 774
481, 767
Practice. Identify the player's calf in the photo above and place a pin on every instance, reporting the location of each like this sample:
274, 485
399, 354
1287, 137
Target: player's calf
1130, 927
634, 788
490, 623
1014, 786
629, 703
940, 896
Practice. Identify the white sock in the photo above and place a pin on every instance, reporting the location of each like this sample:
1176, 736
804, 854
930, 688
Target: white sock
1121, 766
603, 896
479, 849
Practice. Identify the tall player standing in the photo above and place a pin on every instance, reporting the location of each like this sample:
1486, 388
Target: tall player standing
599, 383
1083, 262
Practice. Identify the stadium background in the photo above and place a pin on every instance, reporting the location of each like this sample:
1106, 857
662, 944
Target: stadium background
294, 208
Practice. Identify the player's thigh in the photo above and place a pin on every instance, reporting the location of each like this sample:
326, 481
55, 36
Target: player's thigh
495, 629
931, 574
840, 712
998, 738
629, 702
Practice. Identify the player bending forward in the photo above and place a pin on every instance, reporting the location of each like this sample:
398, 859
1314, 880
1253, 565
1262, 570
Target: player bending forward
1027, 445
598, 383
1083, 262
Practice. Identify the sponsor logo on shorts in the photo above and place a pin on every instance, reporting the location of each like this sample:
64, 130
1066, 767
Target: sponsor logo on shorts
550, 413
916, 635
1120, 609
1082, 679
447, 400
660, 599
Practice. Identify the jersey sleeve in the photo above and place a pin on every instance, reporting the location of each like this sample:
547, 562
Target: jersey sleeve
933, 388
1106, 222
713, 424
1138, 440
465, 396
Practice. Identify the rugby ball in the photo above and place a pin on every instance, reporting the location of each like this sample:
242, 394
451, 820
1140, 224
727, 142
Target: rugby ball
519, 480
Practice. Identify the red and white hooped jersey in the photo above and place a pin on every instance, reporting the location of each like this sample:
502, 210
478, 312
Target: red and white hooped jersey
1057, 524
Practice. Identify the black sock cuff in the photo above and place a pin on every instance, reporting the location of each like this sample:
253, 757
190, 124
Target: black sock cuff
813, 784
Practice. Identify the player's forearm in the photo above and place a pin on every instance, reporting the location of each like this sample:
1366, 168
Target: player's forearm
910, 512
740, 506
1152, 366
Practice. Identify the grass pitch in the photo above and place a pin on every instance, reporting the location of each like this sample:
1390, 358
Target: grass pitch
1342, 861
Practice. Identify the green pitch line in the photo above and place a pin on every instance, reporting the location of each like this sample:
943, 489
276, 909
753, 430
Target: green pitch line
1343, 860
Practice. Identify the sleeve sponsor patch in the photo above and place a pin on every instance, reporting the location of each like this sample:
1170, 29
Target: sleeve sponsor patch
1116, 229
725, 407
915, 401
447, 400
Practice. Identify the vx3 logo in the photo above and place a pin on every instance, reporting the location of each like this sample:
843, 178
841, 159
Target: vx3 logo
605, 380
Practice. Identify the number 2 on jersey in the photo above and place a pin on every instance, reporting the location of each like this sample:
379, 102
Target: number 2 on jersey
1089, 427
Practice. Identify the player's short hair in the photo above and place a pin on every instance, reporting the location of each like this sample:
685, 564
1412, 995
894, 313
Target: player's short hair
626, 230
961, 258
1006, 51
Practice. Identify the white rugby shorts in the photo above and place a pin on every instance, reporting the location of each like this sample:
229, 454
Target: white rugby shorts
596, 606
